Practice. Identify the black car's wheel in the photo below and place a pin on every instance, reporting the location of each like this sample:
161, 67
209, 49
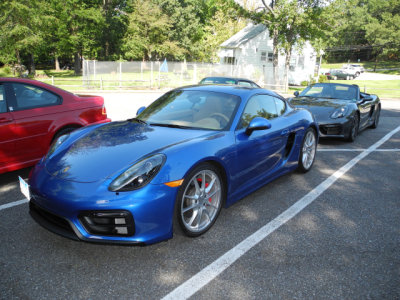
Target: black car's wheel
307, 151
199, 200
376, 119
353, 132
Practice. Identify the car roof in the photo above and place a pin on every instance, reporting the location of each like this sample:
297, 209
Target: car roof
237, 90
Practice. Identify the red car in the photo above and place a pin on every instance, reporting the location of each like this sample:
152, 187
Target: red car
33, 114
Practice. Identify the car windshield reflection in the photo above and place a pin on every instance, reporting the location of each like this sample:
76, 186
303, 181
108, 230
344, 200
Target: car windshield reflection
330, 91
192, 109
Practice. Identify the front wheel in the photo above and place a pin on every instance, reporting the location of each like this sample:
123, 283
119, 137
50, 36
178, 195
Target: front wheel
354, 129
376, 119
307, 151
199, 200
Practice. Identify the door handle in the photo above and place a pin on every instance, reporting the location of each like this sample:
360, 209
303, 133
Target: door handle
284, 132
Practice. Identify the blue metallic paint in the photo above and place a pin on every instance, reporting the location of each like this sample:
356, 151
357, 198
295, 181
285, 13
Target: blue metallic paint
77, 175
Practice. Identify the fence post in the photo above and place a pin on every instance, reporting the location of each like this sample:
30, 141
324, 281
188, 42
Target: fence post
365, 88
52, 79
120, 74
151, 74
195, 73
141, 70
94, 70
101, 83
159, 75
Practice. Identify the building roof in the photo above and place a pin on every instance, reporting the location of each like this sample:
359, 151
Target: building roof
244, 35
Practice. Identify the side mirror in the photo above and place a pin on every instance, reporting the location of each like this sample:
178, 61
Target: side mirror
139, 111
258, 123
296, 93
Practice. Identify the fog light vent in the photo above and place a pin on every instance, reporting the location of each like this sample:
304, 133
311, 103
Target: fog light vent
110, 223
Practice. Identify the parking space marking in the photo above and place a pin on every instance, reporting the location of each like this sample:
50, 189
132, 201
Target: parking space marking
355, 150
12, 204
209, 273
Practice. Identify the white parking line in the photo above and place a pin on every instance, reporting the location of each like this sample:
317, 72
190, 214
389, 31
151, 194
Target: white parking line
355, 150
12, 204
199, 280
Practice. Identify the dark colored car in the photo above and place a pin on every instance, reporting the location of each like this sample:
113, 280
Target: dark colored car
189, 153
341, 110
229, 80
33, 114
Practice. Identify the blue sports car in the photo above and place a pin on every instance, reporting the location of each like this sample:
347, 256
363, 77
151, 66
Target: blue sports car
172, 167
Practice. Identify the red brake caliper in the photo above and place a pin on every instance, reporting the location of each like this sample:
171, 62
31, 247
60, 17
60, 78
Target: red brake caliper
199, 180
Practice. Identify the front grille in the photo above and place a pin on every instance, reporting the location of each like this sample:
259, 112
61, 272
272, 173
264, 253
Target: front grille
51, 221
330, 129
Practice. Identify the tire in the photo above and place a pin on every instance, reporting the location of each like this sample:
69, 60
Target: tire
307, 151
352, 134
62, 132
376, 119
199, 200
357, 74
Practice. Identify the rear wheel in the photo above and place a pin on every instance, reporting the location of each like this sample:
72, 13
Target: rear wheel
307, 151
63, 132
353, 132
199, 200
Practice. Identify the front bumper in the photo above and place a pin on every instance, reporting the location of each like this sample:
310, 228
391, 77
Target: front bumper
338, 128
58, 205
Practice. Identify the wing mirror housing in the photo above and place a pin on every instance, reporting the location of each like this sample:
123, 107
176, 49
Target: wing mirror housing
296, 93
139, 111
258, 123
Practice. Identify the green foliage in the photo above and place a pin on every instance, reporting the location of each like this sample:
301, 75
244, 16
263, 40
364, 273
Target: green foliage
323, 78
147, 33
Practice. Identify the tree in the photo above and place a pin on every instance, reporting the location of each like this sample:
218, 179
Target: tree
222, 21
19, 31
147, 33
290, 23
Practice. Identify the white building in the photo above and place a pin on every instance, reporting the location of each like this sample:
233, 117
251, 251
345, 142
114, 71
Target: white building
250, 51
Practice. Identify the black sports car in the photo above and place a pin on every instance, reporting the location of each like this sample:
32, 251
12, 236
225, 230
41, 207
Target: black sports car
341, 110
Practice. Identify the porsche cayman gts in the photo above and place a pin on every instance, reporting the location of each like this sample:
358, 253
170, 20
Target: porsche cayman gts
172, 167
341, 110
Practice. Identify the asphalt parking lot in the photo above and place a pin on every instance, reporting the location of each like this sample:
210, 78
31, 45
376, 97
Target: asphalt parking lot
333, 233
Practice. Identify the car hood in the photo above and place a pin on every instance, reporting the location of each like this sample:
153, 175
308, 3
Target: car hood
110, 149
319, 106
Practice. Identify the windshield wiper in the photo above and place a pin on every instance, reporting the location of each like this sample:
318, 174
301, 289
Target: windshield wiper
137, 120
170, 125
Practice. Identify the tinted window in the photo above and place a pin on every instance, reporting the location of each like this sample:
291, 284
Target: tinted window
3, 106
258, 106
280, 106
29, 96
245, 83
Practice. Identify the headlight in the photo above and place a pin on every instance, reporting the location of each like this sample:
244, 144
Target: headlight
339, 113
139, 174
57, 144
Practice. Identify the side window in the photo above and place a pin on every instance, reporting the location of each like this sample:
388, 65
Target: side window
28, 96
280, 106
244, 83
3, 105
258, 106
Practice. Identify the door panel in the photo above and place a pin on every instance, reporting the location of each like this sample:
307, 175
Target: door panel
7, 142
34, 111
260, 153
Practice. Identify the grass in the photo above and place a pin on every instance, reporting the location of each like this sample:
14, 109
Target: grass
385, 67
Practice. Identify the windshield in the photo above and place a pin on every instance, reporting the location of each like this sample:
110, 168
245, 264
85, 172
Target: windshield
192, 109
331, 91
218, 80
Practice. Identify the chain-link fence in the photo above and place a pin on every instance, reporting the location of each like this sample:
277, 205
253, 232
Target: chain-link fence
135, 75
